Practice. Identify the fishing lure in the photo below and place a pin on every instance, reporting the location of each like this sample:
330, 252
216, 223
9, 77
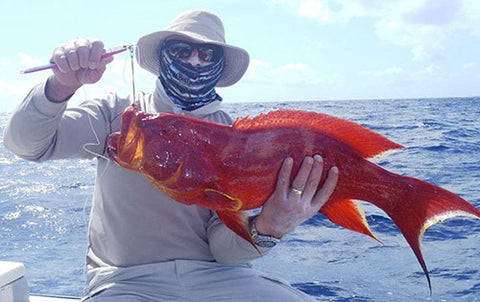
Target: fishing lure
106, 53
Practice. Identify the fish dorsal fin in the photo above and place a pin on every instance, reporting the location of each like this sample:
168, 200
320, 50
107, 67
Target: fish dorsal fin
367, 142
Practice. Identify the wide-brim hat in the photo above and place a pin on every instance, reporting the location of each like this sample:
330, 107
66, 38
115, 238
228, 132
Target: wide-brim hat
197, 27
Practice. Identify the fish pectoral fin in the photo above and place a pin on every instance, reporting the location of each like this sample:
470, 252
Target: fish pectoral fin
238, 223
348, 214
221, 201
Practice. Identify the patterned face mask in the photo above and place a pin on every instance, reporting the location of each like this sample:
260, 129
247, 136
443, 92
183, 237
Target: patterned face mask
189, 87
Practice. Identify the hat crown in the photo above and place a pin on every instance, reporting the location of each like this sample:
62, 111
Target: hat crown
199, 23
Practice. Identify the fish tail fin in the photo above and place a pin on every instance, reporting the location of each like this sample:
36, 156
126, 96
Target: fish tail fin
348, 214
421, 205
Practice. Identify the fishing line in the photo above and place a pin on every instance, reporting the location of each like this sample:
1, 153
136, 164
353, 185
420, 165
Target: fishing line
97, 142
131, 48
86, 223
90, 123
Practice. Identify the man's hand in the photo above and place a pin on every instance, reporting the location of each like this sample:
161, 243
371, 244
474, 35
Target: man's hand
291, 205
78, 62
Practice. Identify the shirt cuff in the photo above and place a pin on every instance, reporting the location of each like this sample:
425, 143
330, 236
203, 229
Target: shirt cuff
43, 104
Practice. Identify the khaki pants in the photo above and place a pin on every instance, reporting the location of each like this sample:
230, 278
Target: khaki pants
187, 280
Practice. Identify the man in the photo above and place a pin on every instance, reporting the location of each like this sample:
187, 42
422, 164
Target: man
143, 246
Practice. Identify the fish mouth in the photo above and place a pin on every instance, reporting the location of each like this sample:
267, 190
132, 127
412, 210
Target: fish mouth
126, 147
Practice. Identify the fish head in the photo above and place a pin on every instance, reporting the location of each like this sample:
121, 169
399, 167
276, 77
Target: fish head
166, 142
155, 144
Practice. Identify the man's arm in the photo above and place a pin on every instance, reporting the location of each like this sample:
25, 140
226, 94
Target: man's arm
40, 128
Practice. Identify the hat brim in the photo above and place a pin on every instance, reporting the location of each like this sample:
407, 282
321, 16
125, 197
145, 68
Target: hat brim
236, 59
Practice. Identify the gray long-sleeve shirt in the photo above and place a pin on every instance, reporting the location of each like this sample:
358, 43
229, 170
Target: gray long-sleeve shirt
131, 222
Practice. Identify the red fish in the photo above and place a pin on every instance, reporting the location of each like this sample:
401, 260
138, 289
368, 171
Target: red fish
231, 169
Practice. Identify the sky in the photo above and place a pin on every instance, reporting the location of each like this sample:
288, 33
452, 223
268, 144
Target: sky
300, 50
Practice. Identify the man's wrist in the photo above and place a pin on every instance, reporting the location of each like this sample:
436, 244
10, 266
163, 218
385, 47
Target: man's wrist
57, 92
264, 229
262, 240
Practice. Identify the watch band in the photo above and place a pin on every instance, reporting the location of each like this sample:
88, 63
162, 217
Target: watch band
262, 240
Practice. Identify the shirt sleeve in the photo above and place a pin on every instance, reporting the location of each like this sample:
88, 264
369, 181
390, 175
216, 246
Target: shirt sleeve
40, 129
229, 248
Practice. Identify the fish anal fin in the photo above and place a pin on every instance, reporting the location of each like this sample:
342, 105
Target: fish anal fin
238, 223
367, 142
348, 214
221, 201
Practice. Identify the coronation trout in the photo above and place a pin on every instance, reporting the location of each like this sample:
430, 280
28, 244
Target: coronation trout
231, 169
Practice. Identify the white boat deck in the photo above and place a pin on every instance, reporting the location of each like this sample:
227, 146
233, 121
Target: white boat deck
34, 298
14, 287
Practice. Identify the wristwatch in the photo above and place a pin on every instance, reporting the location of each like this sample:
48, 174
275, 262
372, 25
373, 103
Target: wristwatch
262, 240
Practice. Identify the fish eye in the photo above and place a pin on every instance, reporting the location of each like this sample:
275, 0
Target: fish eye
165, 131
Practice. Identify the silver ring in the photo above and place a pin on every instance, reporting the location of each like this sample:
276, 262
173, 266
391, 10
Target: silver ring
296, 191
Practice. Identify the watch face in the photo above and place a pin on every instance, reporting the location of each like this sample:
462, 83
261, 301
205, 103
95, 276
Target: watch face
265, 243
263, 240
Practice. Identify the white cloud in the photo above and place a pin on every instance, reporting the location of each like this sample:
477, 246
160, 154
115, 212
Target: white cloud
425, 53
424, 26
255, 67
287, 74
468, 18
427, 81
470, 66
27, 61
435, 12
314, 9
333, 11
431, 71
391, 71
12, 92
301, 67
427, 43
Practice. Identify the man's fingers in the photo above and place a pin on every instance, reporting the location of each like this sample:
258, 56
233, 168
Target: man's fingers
283, 180
60, 59
314, 177
76, 54
327, 189
72, 59
96, 51
83, 51
298, 184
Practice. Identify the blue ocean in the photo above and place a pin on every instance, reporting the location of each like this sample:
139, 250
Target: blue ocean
44, 212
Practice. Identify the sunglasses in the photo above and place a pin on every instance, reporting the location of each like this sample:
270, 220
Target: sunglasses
182, 50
